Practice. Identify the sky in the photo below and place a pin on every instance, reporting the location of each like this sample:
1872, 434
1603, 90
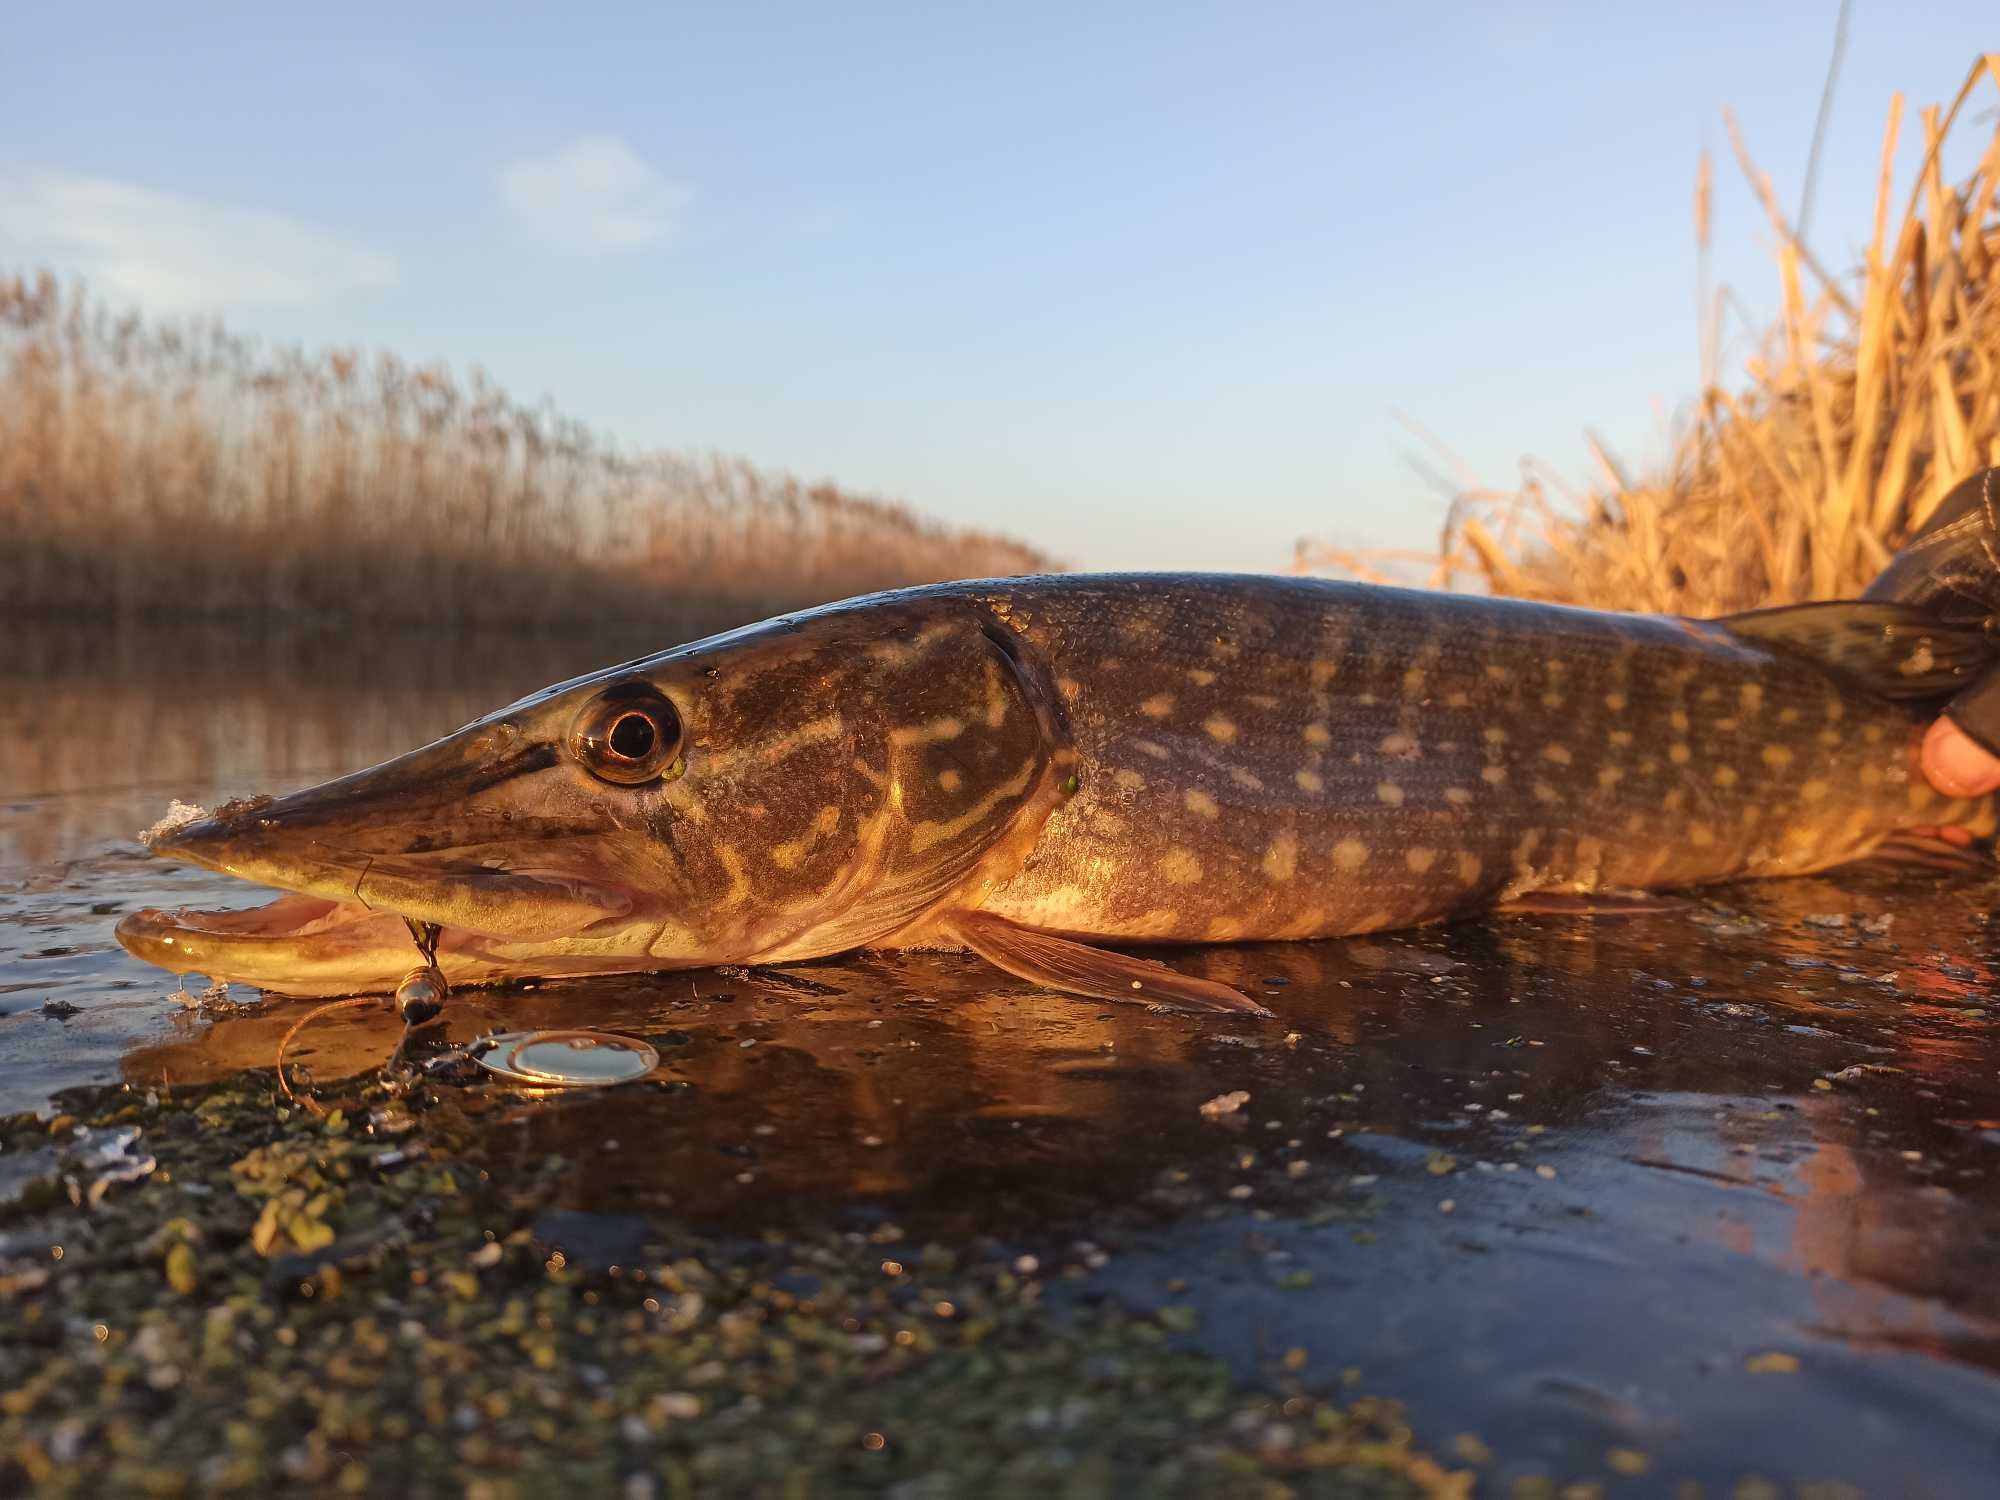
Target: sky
1147, 285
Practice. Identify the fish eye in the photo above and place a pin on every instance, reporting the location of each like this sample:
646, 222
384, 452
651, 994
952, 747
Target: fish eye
630, 735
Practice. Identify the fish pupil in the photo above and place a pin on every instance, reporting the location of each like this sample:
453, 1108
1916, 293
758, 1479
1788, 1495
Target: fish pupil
632, 736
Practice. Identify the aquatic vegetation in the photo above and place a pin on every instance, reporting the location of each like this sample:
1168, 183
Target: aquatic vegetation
357, 1304
1876, 392
176, 468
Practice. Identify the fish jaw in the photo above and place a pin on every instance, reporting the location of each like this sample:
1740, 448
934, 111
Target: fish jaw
295, 945
309, 946
482, 834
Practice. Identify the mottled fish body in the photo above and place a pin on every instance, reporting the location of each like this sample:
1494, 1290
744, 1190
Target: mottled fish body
1285, 758
1031, 767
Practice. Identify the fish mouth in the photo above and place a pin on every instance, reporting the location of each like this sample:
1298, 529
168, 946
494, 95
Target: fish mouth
297, 945
306, 944
450, 835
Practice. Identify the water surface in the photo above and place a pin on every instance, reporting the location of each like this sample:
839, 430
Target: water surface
1715, 1187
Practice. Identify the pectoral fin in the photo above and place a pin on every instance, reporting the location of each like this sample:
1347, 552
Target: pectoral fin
1081, 970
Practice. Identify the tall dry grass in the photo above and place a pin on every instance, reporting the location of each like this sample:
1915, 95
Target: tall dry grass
165, 467
1874, 394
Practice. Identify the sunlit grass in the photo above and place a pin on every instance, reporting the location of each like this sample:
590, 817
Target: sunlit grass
164, 467
1876, 392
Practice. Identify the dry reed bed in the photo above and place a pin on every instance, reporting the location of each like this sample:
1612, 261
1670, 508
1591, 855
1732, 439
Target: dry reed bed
168, 467
1874, 394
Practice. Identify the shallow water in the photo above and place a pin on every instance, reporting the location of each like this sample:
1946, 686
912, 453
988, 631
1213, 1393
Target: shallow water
1716, 1188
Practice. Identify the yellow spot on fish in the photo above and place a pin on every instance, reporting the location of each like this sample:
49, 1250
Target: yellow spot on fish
1149, 747
739, 878
1788, 715
1223, 929
1615, 702
1459, 699
1220, 728
1872, 733
1610, 776
1413, 680
947, 728
1350, 854
1468, 866
1725, 726
1493, 775
1493, 734
1458, 796
1814, 790
1131, 781
1322, 671
1544, 792
996, 698
1674, 801
1158, 706
1831, 738
1725, 776
1751, 696
1700, 835
933, 831
1398, 744
1497, 673
1679, 719
1557, 753
1871, 776
1420, 860
1620, 737
951, 781
1308, 781
1262, 700
1525, 849
1178, 867
1777, 757
1245, 780
789, 855
1069, 687
1200, 676
1200, 803
1552, 699
1281, 859
1317, 735
1389, 792
1678, 753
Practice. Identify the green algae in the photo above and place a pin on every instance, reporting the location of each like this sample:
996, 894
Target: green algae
369, 1302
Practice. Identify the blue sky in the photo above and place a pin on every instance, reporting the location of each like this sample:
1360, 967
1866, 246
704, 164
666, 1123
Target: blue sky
1141, 284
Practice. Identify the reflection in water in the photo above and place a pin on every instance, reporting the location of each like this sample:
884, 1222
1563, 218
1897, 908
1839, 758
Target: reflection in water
1570, 1185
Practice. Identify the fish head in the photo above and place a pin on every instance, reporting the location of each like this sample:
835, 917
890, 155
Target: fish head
794, 789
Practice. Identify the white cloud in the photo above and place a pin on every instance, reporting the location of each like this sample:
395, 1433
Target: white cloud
593, 193
171, 253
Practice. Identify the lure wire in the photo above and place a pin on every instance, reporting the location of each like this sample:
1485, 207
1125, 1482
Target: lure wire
311, 1104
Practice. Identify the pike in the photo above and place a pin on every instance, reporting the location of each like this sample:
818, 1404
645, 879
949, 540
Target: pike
1041, 770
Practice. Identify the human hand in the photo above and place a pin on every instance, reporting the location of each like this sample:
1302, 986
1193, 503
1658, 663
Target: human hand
1956, 763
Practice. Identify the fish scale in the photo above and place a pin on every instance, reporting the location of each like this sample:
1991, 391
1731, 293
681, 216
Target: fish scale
1459, 751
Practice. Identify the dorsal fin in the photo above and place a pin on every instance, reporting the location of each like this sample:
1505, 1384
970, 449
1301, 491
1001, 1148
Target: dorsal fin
1895, 651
